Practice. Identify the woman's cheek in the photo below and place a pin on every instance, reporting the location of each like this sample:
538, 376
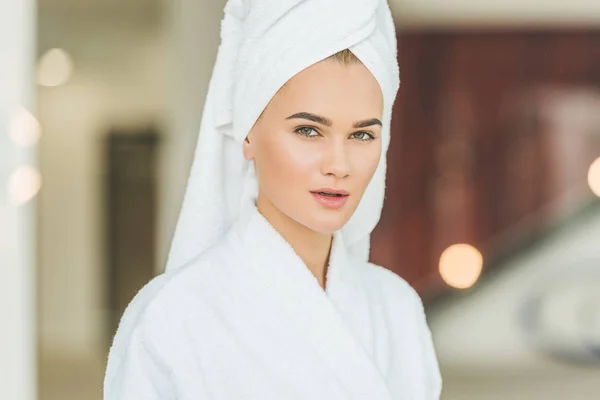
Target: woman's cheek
287, 165
301, 158
365, 160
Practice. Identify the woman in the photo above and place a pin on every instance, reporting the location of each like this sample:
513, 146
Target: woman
268, 293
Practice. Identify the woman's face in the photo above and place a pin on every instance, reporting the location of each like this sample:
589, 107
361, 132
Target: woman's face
321, 133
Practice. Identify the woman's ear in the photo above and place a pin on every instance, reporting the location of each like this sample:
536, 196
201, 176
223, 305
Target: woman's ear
248, 149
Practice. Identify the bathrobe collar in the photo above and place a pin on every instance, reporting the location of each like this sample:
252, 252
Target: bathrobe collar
334, 321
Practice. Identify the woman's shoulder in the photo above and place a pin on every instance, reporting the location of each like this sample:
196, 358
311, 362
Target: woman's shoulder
163, 300
147, 339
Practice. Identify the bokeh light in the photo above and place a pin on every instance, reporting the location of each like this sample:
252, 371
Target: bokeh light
461, 265
55, 68
23, 185
594, 177
24, 128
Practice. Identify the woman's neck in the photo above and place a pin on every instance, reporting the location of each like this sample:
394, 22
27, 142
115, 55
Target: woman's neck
312, 247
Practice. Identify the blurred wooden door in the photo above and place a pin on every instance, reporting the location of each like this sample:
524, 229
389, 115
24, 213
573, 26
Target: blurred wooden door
470, 156
130, 217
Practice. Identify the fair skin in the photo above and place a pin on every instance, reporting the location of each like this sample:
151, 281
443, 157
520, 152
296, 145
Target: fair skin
296, 154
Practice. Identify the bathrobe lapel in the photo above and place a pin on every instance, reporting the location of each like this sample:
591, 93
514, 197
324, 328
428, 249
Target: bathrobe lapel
333, 323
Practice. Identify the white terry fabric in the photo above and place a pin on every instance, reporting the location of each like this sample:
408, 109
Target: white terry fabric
248, 320
264, 43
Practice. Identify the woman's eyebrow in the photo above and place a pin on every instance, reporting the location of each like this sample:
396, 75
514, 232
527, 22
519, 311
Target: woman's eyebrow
327, 122
367, 122
312, 117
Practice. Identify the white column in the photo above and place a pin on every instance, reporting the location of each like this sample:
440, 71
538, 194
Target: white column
18, 181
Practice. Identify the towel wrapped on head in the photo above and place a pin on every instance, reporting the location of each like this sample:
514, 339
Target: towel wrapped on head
264, 43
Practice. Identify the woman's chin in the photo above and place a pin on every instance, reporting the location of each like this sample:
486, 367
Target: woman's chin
328, 224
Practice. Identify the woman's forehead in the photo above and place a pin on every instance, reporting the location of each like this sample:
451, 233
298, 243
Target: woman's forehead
329, 87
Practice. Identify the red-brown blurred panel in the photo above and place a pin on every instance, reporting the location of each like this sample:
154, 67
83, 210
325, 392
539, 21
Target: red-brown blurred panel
471, 155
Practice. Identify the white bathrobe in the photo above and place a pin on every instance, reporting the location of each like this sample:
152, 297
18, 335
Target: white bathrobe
248, 320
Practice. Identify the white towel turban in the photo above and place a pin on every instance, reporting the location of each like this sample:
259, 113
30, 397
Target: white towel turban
264, 43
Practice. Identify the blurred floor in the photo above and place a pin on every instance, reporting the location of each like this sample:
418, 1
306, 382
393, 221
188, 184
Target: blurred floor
62, 378
559, 383
70, 379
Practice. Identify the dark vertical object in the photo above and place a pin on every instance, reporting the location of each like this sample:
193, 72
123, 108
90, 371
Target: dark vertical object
130, 217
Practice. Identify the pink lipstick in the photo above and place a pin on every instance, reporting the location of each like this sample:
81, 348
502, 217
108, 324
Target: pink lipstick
331, 198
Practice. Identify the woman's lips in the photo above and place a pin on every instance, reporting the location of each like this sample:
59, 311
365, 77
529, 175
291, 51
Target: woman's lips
331, 199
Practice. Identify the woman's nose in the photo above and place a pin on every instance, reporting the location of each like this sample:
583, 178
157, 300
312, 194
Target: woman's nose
336, 160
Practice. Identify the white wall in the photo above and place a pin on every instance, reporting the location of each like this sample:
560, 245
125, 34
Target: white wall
129, 67
119, 80
17, 225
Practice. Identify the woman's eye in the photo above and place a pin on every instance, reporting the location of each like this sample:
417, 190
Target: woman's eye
364, 136
307, 131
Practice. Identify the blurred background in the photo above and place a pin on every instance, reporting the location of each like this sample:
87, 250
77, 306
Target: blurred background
492, 210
